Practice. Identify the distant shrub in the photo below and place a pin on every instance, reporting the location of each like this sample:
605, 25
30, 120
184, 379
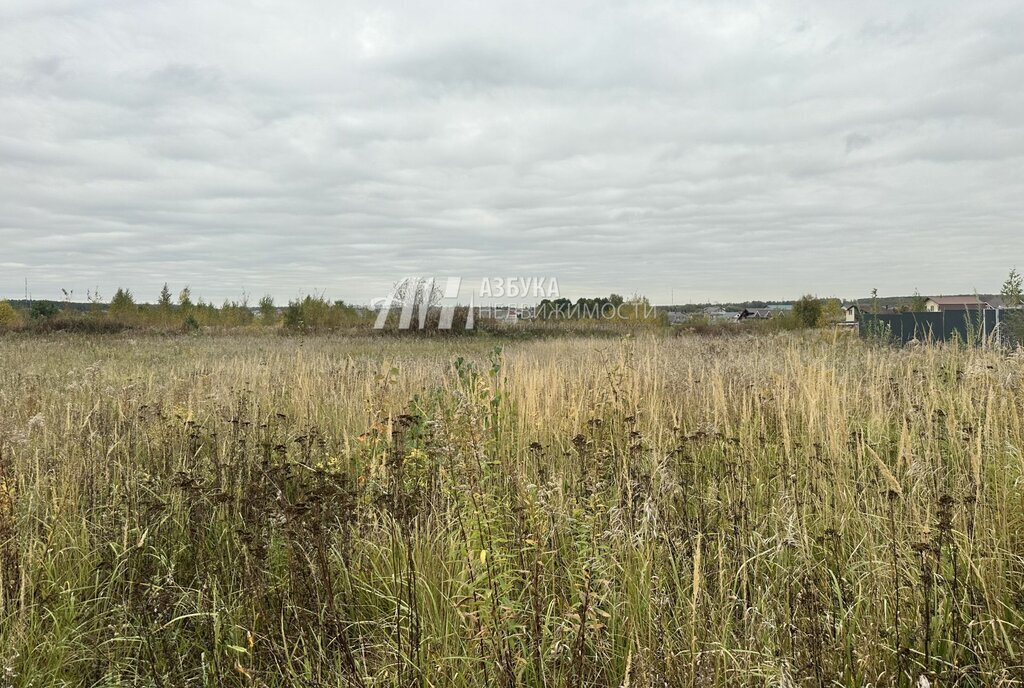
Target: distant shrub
232, 314
808, 311
77, 324
268, 313
9, 318
42, 310
700, 326
316, 313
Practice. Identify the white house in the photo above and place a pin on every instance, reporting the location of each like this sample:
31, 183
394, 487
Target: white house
938, 304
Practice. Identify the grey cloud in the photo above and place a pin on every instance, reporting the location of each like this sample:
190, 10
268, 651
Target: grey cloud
723, 150
857, 141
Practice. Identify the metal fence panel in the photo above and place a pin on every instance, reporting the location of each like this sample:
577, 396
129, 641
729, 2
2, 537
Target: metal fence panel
1011, 327
964, 326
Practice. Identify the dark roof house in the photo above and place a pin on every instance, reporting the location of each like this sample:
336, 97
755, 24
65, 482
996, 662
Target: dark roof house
756, 313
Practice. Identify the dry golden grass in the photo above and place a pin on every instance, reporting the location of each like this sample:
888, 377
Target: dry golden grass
261, 510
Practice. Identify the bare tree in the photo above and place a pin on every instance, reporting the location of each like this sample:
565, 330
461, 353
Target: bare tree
416, 295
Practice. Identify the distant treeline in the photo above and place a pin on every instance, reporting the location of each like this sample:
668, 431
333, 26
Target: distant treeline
732, 306
611, 308
180, 313
183, 313
315, 313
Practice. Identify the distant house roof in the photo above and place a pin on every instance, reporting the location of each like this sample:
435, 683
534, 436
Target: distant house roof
872, 309
674, 317
756, 313
959, 302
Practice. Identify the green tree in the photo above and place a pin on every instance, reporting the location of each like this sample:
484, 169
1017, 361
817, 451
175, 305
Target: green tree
268, 314
918, 304
832, 311
185, 298
165, 302
42, 310
123, 304
1013, 289
808, 311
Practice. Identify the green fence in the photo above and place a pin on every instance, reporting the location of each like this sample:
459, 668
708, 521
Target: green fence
1011, 327
974, 327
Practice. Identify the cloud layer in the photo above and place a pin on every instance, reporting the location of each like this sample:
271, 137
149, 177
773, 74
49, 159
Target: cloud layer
719, 150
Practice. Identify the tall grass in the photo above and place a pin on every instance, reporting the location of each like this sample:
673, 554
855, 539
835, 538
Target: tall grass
325, 511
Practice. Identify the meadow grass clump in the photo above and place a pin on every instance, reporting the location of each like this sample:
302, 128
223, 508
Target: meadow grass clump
348, 511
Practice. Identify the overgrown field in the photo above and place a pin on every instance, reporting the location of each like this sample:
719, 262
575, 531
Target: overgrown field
270, 511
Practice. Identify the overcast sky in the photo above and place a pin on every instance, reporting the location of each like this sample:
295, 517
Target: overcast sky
719, 150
